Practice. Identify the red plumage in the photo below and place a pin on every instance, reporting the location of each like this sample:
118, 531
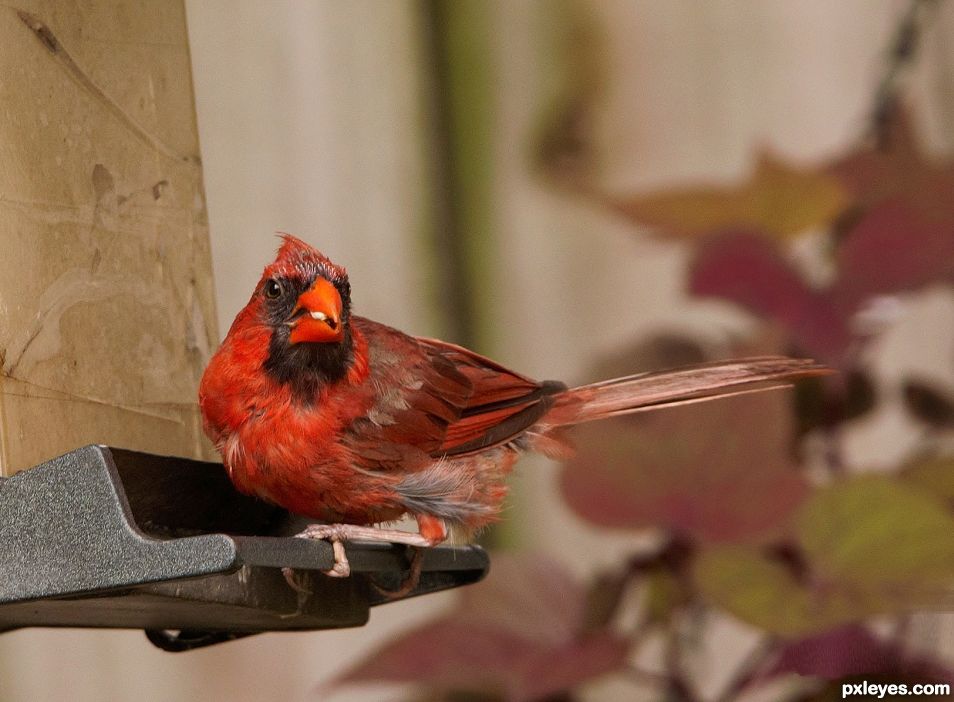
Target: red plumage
348, 421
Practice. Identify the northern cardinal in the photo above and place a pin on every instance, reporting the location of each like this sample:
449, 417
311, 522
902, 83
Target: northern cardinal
353, 423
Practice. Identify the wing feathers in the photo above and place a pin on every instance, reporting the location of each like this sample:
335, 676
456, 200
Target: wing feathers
436, 399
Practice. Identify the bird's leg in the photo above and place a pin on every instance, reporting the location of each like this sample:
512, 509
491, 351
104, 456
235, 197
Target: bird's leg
341, 568
295, 582
432, 533
411, 580
431, 528
336, 534
355, 532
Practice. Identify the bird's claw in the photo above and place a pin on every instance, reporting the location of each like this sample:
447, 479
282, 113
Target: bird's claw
295, 581
410, 580
341, 568
335, 534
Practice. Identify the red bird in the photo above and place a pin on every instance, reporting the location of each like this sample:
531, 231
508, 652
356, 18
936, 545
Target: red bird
354, 423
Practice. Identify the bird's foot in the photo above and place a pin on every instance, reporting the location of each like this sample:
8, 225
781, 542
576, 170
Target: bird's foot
337, 534
409, 582
296, 581
299, 582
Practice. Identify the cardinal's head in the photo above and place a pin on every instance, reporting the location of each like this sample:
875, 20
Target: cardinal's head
305, 300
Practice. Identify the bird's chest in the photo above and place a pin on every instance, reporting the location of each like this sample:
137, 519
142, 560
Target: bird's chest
290, 455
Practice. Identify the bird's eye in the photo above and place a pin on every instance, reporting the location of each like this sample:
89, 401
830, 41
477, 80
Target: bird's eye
273, 289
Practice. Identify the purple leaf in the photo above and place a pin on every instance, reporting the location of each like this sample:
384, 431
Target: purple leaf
892, 249
721, 471
750, 271
851, 650
519, 634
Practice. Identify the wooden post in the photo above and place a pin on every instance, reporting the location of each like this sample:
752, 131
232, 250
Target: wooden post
106, 301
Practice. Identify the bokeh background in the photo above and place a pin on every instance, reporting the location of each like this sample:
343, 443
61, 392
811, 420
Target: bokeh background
471, 164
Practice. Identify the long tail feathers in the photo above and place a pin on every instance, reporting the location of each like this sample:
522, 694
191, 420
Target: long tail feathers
690, 384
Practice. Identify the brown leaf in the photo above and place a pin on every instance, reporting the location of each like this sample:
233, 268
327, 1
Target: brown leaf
934, 475
779, 200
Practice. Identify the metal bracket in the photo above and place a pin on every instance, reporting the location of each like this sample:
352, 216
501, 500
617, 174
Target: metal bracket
104, 537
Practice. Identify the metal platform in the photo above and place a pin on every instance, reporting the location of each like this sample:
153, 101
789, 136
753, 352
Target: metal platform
103, 537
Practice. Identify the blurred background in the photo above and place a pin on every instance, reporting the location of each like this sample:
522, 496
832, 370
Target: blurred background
583, 188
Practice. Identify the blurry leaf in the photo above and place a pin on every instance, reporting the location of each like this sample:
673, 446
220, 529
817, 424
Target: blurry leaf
890, 209
899, 170
454, 656
893, 248
764, 592
779, 200
849, 651
517, 634
928, 404
932, 474
890, 249
720, 471
528, 594
879, 533
905, 236
866, 546
750, 271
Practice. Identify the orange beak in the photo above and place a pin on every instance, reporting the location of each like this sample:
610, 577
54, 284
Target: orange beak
317, 315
